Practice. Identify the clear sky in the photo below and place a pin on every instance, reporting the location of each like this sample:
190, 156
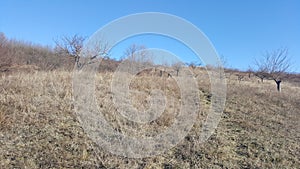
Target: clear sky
239, 30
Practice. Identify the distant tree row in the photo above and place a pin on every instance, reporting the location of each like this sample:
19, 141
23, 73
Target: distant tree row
14, 53
272, 65
67, 52
64, 55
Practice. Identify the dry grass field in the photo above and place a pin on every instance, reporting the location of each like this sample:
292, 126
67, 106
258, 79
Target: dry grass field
39, 129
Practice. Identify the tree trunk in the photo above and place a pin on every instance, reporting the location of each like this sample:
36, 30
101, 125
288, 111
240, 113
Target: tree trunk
278, 85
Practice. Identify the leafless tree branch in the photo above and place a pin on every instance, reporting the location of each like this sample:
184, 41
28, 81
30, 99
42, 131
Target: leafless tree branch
273, 65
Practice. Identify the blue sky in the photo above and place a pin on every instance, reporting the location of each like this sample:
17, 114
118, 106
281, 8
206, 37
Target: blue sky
239, 30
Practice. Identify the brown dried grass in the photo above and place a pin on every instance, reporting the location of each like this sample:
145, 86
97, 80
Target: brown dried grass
39, 129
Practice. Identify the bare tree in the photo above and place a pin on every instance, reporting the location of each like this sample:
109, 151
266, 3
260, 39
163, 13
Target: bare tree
70, 46
138, 55
5, 57
177, 66
273, 65
223, 61
249, 71
73, 46
262, 74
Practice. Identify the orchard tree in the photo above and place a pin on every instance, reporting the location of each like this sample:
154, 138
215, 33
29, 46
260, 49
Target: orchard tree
273, 65
73, 46
261, 74
70, 46
137, 55
177, 66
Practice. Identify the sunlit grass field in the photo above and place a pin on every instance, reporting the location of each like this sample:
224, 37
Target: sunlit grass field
259, 127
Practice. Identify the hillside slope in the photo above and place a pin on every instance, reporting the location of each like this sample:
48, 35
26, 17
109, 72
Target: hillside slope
39, 128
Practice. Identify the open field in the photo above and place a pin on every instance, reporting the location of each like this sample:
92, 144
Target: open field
39, 129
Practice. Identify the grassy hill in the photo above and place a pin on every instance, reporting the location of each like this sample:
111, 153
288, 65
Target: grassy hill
39, 127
